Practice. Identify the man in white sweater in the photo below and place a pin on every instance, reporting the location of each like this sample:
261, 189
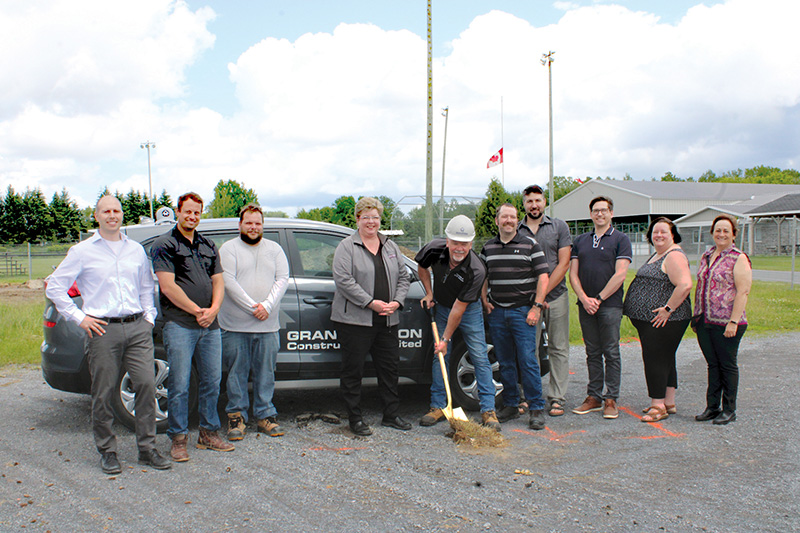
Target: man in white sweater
256, 275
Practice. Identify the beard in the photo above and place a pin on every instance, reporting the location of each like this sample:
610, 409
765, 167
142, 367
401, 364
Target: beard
541, 213
250, 240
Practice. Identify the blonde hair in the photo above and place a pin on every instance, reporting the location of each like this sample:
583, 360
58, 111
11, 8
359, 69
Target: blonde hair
366, 203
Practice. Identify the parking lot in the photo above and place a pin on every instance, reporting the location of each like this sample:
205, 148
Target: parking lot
582, 473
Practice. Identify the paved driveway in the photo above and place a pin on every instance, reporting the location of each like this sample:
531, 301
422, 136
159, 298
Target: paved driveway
586, 473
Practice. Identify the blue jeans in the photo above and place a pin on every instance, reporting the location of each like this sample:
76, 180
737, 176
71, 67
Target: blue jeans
515, 343
182, 344
243, 353
472, 331
601, 336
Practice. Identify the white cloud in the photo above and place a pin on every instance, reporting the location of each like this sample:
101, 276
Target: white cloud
344, 112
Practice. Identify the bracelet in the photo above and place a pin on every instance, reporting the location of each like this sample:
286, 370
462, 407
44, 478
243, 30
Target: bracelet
733, 322
444, 339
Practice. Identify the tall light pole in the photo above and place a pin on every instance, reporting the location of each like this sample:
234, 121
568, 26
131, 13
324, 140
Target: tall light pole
429, 162
446, 115
547, 59
149, 145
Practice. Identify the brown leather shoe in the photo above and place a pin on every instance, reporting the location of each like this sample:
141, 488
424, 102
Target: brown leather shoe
589, 404
489, 419
269, 426
433, 417
236, 426
610, 409
210, 440
178, 452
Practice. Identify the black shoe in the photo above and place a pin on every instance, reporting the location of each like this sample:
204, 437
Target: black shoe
537, 419
708, 414
360, 428
724, 417
507, 413
109, 463
154, 459
396, 422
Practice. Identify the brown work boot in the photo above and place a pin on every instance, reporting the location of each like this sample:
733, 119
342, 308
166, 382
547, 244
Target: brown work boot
610, 409
210, 440
269, 426
236, 426
433, 417
178, 452
489, 419
589, 404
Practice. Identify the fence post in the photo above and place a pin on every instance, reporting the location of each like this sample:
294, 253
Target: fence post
30, 263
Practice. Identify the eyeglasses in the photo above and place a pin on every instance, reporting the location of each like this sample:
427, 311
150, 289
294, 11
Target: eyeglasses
369, 219
602, 211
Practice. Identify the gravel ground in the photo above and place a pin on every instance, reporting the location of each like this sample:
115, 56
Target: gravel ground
582, 473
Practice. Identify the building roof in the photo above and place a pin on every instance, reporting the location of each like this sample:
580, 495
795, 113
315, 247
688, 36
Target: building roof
678, 190
788, 204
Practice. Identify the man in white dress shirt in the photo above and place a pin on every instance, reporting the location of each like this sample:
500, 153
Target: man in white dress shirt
116, 283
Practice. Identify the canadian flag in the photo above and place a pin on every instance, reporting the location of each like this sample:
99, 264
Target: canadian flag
496, 159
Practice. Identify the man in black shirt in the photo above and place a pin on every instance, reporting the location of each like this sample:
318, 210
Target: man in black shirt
190, 278
458, 276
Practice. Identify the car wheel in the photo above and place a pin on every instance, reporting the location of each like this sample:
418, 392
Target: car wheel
462, 376
124, 400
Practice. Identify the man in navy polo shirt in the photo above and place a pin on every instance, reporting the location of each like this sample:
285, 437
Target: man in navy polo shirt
598, 267
458, 276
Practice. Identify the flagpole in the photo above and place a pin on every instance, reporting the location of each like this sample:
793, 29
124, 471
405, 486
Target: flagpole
429, 164
502, 144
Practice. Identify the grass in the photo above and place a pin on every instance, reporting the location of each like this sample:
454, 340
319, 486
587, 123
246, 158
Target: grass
41, 267
21, 332
771, 262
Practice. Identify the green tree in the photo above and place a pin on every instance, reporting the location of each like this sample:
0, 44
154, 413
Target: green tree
344, 213
229, 198
321, 214
276, 214
496, 196
669, 176
38, 220
562, 185
68, 221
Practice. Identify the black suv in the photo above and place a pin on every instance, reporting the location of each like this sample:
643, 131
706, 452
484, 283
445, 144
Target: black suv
309, 356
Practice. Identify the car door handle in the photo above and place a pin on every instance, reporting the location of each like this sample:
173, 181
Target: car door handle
318, 301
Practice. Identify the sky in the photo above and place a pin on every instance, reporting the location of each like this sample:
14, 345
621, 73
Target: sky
308, 100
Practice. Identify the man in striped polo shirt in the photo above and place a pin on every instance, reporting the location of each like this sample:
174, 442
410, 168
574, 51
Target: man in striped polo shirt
513, 296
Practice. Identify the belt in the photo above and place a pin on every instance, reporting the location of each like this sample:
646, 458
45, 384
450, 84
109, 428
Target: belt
122, 319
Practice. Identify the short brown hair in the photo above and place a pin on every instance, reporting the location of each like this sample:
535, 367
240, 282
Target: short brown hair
366, 203
250, 208
507, 204
729, 218
606, 199
193, 196
676, 237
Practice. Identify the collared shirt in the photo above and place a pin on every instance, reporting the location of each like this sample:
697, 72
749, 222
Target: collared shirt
513, 269
464, 282
552, 235
113, 283
597, 261
193, 264
253, 274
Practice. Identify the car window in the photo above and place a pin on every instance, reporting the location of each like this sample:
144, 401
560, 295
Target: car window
316, 253
220, 239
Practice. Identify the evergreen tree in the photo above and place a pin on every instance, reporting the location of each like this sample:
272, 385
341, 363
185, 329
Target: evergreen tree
37, 217
496, 196
67, 218
229, 198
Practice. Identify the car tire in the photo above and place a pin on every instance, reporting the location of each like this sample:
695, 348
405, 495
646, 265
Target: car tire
124, 398
464, 386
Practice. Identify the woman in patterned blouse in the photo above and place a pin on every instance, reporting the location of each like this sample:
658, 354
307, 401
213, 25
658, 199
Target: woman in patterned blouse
724, 278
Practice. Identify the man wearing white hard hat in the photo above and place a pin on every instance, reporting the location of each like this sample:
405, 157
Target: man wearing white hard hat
458, 276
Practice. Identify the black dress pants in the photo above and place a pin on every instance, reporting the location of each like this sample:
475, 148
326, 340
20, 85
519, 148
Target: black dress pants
721, 354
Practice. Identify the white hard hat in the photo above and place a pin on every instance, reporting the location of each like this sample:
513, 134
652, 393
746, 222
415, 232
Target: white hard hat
460, 229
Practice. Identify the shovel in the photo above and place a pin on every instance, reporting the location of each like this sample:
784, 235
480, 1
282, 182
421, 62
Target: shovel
449, 413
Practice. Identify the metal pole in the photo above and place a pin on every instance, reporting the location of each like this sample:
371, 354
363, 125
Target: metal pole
547, 59
794, 248
502, 145
30, 263
429, 162
149, 145
446, 114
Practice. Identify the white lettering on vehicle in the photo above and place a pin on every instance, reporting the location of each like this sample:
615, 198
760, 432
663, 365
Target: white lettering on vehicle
327, 339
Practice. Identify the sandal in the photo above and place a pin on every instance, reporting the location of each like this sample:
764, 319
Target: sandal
556, 409
655, 414
671, 409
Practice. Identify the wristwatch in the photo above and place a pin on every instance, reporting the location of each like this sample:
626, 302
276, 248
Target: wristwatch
537, 304
667, 308
598, 297
444, 339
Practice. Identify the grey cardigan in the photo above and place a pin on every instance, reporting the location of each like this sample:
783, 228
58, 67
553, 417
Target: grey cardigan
354, 274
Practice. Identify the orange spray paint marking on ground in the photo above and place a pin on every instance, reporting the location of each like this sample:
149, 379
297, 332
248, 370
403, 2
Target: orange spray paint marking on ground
329, 449
656, 425
550, 435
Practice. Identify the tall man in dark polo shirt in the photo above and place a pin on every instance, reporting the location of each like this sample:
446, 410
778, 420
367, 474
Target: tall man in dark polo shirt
514, 297
190, 277
553, 236
116, 283
458, 276
598, 267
